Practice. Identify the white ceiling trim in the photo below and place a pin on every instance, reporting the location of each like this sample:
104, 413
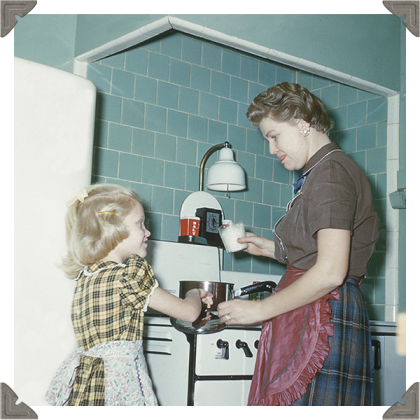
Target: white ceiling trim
169, 22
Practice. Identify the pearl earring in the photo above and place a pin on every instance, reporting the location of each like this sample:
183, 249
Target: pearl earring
304, 131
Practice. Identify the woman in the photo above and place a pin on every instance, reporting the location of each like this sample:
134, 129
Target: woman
315, 344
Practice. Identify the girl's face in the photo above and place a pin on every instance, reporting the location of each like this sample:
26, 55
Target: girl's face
136, 242
285, 141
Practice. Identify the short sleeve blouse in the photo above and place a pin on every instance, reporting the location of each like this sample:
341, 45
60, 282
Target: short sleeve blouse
110, 300
336, 194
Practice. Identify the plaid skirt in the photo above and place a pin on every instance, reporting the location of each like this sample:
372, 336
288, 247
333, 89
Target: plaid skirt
347, 375
319, 354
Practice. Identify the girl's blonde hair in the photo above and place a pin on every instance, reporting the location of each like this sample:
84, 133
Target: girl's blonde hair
94, 225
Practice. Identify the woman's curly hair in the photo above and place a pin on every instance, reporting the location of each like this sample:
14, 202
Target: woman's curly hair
287, 101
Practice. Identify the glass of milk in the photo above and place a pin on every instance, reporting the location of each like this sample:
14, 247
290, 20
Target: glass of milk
230, 232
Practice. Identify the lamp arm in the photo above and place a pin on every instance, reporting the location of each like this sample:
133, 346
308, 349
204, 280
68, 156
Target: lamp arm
206, 156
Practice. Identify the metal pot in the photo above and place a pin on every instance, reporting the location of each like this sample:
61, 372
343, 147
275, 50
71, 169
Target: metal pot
220, 291
208, 321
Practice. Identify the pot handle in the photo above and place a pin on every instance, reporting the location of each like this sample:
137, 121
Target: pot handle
264, 286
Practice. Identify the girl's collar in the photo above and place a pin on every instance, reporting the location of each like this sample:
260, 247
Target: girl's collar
97, 267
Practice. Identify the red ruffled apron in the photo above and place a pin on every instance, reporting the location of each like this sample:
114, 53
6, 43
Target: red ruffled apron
292, 349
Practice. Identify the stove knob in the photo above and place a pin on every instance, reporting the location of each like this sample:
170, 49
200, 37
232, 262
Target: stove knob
243, 345
256, 343
224, 345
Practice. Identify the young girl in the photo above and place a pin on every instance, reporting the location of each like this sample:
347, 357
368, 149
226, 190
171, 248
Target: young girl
107, 244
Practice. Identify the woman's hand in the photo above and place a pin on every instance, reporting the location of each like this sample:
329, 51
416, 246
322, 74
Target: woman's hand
257, 245
240, 312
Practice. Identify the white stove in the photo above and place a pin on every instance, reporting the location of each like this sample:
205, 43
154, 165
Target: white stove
198, 369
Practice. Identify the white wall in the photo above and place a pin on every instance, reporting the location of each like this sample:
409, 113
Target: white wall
54, 124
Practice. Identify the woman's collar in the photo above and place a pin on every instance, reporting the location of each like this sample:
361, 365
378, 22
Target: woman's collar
318, 155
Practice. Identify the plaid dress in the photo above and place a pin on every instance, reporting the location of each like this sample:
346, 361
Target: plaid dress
107, 315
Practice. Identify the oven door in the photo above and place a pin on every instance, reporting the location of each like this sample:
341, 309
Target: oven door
222, 393
224, 367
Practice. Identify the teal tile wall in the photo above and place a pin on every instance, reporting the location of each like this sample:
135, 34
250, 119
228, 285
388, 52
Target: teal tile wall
163, 104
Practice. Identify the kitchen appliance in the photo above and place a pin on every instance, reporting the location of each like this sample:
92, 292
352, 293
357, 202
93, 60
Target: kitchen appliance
54, 123
208, 321
389, 368
210, 221
203, 205
187, 369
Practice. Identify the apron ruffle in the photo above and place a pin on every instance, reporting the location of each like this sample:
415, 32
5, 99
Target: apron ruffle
292, 349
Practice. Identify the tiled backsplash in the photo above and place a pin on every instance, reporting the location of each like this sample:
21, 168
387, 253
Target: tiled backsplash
162, 105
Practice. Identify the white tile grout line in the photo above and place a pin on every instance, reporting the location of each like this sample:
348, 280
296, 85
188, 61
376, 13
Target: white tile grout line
164, 24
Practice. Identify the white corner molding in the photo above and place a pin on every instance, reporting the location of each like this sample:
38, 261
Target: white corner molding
158, 27
126, 41
80, 68
310, 67
280, 57
361, 84
185, 26
392, 215
219, 37
338, 76
252, 48
170, 22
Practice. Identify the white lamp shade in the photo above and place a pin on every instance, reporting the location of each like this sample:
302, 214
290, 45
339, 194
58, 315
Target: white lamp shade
226, 174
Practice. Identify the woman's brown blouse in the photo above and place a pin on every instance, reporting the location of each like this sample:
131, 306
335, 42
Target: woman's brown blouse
336, 194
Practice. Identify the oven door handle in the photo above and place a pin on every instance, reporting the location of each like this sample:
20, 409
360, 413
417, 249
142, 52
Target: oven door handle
377, 359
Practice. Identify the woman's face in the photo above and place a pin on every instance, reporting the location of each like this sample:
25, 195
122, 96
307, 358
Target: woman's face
285, 141
136, 242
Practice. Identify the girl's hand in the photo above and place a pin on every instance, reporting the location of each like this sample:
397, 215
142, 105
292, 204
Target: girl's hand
257, 245
186, 310
205, 296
